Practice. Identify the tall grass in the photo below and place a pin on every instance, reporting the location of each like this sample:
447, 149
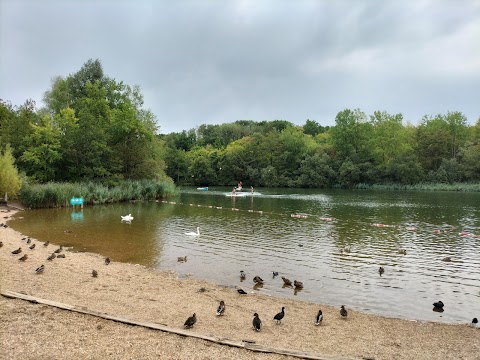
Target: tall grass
59, 194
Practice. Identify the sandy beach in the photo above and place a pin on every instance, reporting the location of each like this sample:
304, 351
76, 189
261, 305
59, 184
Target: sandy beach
36, 331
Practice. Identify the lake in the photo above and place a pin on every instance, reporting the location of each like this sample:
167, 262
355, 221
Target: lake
332, 240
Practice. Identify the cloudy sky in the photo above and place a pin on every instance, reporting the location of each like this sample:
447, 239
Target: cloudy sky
217, 61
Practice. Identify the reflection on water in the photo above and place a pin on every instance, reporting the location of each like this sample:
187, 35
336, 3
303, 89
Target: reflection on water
332, 241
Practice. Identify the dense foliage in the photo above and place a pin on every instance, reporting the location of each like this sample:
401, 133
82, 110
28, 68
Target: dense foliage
359, 151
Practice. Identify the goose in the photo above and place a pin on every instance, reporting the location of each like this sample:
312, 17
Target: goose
221, 308
40, 269
242, 275
182, 259
190, 321
278, 318
286, 281
257, 323
18, 251
343, 311
51, 257
191, 233
94, 273
32, 247
258, 280
127, 218
381, 270
23, 258
318, 318
107, 261
298, 284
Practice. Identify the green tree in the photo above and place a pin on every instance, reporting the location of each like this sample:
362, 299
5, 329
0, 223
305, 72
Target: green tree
10, 181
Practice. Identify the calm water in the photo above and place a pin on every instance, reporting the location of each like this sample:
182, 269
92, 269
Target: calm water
258, 234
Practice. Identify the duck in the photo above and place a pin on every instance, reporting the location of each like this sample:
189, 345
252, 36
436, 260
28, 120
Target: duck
275, 273
343, 311
286, 281
447, 259
1, 243
278, 318
59, 250
438, 306
474, 322
191, 233
181, 258
221, 308
94, 273
298, 284
190, 321
18, 251
258, 280
61, 256
257, 323
381, 270
318, 318
51, 257
29, 241
40, 269
127, 218
241, 292
23, 258
107, 261
32, 247
46, 244
243, 276
402, 251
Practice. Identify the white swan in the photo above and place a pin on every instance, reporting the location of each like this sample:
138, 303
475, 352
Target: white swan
127, 218
191, 233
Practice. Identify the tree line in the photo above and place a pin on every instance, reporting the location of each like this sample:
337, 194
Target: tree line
95, 128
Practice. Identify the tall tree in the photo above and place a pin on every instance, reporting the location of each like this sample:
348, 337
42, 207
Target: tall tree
10, 181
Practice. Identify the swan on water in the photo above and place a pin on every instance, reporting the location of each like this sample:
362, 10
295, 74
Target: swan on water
127, 218
191, 233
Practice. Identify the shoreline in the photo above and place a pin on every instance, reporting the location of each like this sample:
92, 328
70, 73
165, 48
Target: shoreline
144, 294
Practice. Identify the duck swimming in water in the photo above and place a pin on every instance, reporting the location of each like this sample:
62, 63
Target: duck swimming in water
381, 270
258, 280
190, 321
182, 259
438, 306
221, 308
298, 284
242, 275
278, 318
191, 233
318, 318
286, 281
257, 323
275, 273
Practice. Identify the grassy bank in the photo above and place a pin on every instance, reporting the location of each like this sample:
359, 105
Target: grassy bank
59, 194
467, 187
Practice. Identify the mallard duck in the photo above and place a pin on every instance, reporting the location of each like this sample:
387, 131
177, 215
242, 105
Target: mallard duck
221, 308
258, 280
381, 270
40, 269
94, 273
107, 261
286, 281
61, 256
257, 323
438, 305
242, 275
298, 284
343, 311
319, 318
241, 292
278, 318
59, 250
18, 251
190, 321
29, 241
275, 273
51, 257
23, 258
474, 322
32, 247
46, 243
181, 258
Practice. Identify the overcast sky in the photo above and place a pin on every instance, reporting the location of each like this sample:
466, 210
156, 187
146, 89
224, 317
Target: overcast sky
212, 62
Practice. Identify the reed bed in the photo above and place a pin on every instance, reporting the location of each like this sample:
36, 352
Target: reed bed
59, 194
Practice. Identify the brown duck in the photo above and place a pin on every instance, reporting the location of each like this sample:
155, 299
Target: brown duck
190, 321
23, 258
32, 247
286, 281
51, 257
18, 251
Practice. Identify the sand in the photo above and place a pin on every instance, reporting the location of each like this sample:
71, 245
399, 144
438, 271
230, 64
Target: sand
35, 331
